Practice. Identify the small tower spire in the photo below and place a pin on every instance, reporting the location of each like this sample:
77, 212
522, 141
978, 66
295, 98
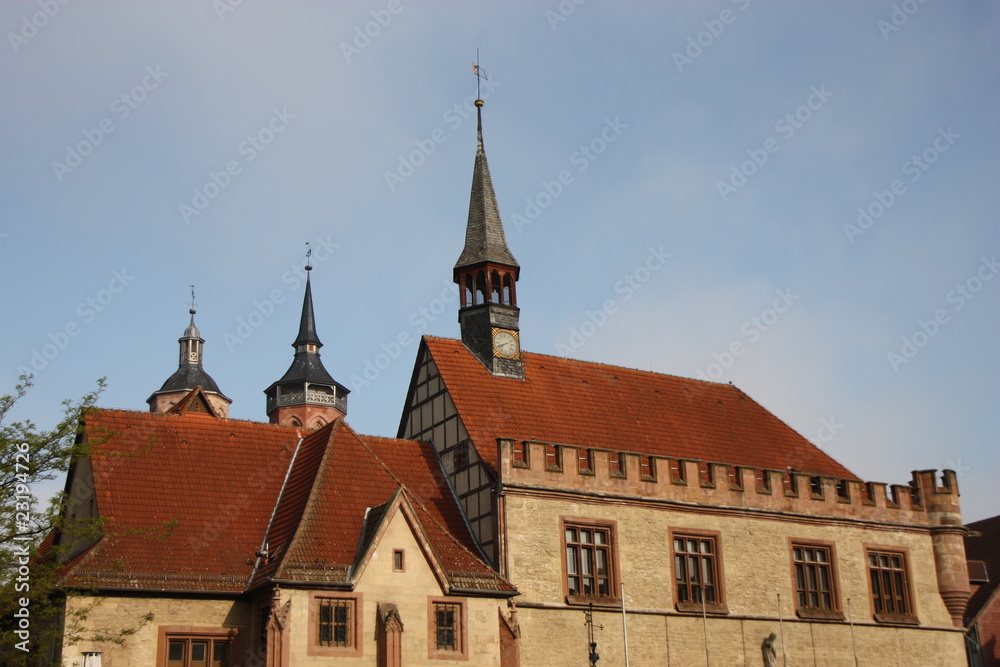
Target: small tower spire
306, 395
307, 323
189, 373
487, 273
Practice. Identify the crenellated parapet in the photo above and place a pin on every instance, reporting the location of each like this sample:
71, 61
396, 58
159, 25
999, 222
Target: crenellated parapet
948, 536
927, 501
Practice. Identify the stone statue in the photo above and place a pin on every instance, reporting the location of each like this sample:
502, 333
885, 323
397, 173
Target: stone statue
770, 654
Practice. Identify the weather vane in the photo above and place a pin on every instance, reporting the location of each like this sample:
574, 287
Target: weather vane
193, 304
480, 75
309, 253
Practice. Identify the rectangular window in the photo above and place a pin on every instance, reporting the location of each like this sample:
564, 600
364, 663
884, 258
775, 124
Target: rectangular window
198, 651
335, 622
446, 626
398, 560
815, 581
461, 455
890, 586
586, 461
589, 562
446, 629
697, 573
335, 625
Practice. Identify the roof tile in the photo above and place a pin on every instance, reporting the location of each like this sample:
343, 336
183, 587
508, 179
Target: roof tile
600, 406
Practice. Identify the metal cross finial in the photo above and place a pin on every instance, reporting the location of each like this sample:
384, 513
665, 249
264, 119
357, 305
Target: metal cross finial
193, 303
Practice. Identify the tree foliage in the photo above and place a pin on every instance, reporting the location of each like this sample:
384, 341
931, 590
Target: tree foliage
29, 560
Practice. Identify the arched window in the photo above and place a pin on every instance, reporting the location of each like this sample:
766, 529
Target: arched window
495, 287
467, 293
294, 422
319, 423
508, 289
480, 288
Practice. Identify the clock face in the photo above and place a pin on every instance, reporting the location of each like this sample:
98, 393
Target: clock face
505, 344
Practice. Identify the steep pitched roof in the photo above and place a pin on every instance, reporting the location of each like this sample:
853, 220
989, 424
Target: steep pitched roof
190, 499
354, 480
484, 236
984, 547
306, 364
185, 498
307, 322
595, 405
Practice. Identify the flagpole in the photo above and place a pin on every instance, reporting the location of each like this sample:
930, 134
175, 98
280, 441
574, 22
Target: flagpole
624, 625
781, 628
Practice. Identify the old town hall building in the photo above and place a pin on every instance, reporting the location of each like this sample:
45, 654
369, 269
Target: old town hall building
531, 510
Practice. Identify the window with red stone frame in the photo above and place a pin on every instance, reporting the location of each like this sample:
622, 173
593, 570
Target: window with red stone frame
590, 561
890, 586
698, 580
815, 581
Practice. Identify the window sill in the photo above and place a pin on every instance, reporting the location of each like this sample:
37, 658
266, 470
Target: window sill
335, 651
596, 600
697, 607
820, 614
897, 619
447, 655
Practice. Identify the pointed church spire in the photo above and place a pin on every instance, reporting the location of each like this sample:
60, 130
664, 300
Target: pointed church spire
306, 395
189, 373
487, 273
484, 236
307, 323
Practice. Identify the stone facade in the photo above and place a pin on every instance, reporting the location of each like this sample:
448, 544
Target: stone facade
411, 589
113, 612
755, 528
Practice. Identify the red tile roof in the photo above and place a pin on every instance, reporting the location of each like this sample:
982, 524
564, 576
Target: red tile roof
595, 405
185, 498
984, 547
357, 473
188, 499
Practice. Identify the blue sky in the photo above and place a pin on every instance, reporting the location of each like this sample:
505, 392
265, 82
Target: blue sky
799, 198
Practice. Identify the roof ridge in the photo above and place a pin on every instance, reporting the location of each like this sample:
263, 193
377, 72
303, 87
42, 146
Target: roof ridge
158, 416
568, 400
599, 363
314, 489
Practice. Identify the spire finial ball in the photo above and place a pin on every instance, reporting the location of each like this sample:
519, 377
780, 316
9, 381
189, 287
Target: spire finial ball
479, 103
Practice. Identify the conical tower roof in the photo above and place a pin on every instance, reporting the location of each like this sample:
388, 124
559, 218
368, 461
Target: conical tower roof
484, 237
307, 324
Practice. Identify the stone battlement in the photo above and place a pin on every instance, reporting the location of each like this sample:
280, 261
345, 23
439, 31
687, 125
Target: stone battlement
929, 499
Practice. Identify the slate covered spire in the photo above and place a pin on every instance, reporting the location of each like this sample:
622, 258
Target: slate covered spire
307, 323
487, 273
484, 236
189, 374
306, 395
